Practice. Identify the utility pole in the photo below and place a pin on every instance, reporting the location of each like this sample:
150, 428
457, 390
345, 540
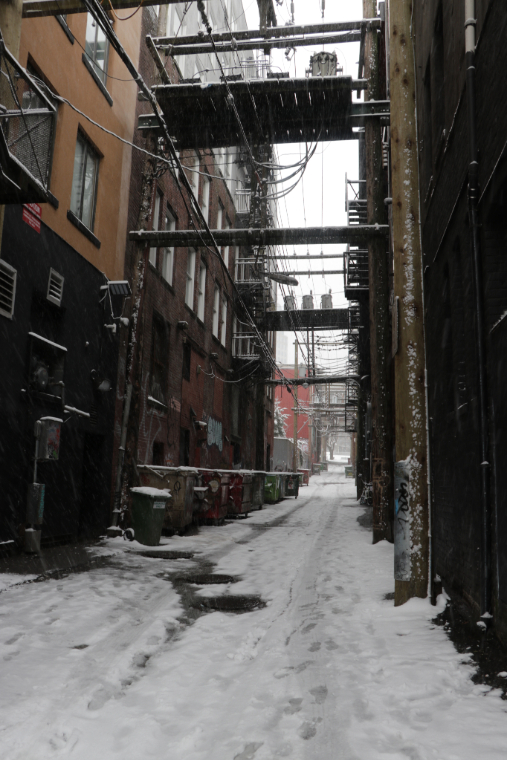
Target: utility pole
378, 266
295, 436
411, 506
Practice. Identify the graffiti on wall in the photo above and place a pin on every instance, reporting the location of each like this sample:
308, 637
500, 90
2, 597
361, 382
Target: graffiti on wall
215, 433
402, 541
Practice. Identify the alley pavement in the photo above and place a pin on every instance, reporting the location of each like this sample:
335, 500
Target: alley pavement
294, 650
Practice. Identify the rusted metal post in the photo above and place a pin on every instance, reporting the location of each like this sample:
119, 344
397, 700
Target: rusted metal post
412, 517
380, 339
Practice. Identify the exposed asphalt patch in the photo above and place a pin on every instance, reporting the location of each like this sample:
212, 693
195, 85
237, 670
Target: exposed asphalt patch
236, 604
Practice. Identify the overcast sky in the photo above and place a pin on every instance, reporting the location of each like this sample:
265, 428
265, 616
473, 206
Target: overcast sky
323, 185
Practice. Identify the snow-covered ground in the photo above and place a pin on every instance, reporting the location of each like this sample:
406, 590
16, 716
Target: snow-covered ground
114, 663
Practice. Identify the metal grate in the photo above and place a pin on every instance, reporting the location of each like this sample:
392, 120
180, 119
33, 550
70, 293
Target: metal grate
27, 118
8, 277
55, 287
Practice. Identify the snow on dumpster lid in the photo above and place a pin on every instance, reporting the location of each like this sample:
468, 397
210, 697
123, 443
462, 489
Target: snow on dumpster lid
158, 493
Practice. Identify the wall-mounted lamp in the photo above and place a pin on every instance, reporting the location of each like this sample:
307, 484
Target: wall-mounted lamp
117, 287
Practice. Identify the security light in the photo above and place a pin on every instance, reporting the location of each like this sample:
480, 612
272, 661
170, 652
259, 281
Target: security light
117, 287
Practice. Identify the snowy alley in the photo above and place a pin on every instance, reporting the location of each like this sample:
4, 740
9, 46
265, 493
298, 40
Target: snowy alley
119, 662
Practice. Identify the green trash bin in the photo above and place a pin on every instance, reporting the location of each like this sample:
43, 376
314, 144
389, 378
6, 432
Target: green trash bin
272, 487
148, 514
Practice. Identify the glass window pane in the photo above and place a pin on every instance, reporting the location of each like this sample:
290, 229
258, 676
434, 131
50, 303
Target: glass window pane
77, 179
89, 189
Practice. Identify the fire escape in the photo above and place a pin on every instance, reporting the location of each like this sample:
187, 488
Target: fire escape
27, 122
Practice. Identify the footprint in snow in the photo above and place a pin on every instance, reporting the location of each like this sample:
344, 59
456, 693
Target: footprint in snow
315, 646
308, 628
294, 706
330, 645
249, 751
320, 694
307, 730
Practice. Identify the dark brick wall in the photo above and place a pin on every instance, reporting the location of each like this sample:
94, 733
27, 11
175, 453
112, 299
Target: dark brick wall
203, 397
449, 291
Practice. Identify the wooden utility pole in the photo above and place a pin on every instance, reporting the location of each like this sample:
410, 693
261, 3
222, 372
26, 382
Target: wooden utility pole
411, 506
378, 266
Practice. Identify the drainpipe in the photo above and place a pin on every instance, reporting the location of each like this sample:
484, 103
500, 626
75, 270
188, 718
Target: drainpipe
473, 203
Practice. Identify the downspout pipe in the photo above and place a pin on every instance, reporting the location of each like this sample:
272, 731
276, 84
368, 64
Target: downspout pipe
473, 203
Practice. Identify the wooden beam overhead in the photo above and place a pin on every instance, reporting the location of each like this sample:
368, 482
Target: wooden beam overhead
201, 47
41, 8
262, 237
271, 33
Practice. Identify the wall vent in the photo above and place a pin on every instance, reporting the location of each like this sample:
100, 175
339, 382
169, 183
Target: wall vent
7, 289
55, 287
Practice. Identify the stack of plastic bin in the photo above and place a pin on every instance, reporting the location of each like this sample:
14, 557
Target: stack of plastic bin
240, 492
258, 481
272, 487
181, 482
215, 505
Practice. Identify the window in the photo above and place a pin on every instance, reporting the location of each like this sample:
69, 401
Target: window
223, 329
84, 182
216, 311
96, 47
168, 252
158, 454
159, 359
220, 216
189, 290
227, 226
34, 146
47, 364
156, 226
201, 292
55, 287
206, 182
8, 277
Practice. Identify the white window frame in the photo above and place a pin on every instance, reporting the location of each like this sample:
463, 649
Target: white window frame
190, 284
223, 326
227, 226
168, 252
206, 195
216, 311
155, 225
201, 291
91, 48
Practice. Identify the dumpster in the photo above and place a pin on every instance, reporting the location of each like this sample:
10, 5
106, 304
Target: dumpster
304, 477
349, 471
290, 484
181, 482
258, 481
272, 487
148, 513
240, 492
323, 466
216, 496
316, 468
